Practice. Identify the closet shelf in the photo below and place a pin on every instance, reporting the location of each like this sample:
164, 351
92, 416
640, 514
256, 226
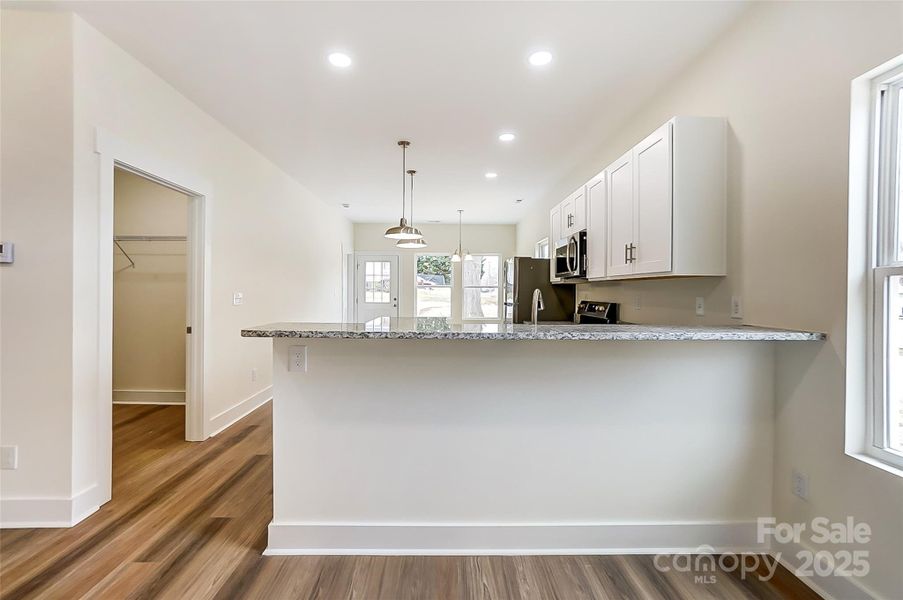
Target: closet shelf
143, 238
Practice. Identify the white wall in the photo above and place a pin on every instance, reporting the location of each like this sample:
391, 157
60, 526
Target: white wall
441, 239
782, 78
36, 308
150, 298
269, 238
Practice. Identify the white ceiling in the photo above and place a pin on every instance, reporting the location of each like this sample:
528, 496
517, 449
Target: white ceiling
448, 76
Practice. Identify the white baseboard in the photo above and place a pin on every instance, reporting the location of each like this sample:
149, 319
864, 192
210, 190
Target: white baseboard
148, 396
19, 513
240, 410
830, 587
511, 539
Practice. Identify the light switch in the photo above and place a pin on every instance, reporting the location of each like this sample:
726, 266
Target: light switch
700, 306
9, 457
237, 298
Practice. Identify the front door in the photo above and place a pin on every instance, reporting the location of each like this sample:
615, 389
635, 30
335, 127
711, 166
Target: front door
376, 287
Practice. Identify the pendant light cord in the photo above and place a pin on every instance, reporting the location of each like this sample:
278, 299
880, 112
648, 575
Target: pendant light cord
459, 232
404, 148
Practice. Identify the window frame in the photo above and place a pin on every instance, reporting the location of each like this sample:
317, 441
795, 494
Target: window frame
883, 261
499, 292
538, 246
450, 286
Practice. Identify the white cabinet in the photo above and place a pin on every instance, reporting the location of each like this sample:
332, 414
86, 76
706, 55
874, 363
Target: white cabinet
619, 229
651, 252
596, 219
573, 213
667, 203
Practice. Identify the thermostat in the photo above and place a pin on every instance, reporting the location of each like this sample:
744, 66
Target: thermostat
6, 252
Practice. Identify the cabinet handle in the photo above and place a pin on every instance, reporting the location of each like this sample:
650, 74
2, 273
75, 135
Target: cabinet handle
626, 253
632, 253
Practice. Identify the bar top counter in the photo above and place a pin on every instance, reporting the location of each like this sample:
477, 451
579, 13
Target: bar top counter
434, 328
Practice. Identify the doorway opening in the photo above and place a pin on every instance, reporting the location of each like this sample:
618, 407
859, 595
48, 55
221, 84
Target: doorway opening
150, 296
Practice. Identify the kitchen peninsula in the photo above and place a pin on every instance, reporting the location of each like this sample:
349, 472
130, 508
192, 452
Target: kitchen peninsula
420, 436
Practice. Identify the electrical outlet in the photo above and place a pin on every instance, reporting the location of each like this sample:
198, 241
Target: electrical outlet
700, 306
637, 302
253, 374
297, 358
800, 483
9, 457
736, 307
237, 298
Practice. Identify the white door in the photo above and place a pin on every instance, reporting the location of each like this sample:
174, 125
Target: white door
596, 231
652, 214
376, 287
620, 216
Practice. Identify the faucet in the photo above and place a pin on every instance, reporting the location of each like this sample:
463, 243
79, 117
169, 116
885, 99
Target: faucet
537, 305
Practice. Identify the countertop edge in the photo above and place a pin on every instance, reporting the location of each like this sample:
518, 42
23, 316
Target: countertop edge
638, 336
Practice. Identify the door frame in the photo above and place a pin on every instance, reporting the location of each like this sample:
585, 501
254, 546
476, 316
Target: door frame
353, 279
116, 153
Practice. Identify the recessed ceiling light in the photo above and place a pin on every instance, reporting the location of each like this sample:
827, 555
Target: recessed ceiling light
519, 200
340, 59
491, 175
346, 205
506, 137
540, 58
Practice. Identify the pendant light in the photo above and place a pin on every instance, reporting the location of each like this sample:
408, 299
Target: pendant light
402, 231
456, 257
420, 242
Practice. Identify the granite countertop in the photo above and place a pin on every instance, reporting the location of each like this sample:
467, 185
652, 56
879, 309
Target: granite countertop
432, 328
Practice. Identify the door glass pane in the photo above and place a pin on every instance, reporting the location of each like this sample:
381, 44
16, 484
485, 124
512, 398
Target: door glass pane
895, 362
481, 303
377, 282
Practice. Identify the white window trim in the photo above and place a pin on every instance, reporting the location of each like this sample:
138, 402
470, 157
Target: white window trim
499, 291
869, 265
536, 248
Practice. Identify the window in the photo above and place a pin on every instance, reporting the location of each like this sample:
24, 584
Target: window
886, 272
481, 287
434, 285
541, 249
377, 281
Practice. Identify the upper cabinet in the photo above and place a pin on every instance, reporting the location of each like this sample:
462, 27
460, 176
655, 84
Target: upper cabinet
666, 204
573, 213
660, 210
596, 220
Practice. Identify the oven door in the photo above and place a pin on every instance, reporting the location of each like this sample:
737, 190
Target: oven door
567, 257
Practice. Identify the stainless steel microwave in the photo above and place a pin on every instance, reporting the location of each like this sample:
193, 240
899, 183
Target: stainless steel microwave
570, 256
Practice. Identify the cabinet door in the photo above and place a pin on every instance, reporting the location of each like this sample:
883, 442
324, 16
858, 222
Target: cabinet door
620, 216
652, 203
567, 216
596, 230
580, 200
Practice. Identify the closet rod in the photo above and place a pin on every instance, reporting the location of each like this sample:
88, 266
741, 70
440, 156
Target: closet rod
150, 238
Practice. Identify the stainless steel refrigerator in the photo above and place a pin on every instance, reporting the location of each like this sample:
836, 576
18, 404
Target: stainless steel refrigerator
522, 276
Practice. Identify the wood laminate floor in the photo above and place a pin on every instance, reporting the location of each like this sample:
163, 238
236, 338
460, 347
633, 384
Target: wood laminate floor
188, 520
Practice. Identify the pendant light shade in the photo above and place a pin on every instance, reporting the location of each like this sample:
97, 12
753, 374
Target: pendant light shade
403, 231
414, 243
